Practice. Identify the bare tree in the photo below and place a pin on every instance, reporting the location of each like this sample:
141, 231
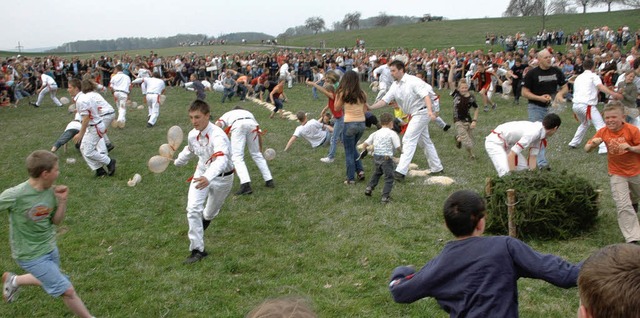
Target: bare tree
583, 4
315, 23
632, 3
382, 20
351, 20
337, 26
561, 7
524, 8
608, 3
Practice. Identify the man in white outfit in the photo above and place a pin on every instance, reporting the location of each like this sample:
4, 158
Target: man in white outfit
48, 86
585, 99
93, 147
382, 73
243, 129
212, 180
120, 84
412, 95
507, 142
155, 87
284, 74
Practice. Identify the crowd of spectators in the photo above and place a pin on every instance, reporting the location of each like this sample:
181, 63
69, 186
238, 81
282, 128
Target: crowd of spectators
612, 49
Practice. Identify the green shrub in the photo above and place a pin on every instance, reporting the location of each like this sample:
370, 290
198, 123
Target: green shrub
549, 205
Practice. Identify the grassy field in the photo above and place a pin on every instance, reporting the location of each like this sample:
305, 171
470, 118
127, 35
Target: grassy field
311, 236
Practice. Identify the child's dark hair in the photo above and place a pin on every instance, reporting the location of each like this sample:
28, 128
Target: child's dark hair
462, 211
551, 121
201, 106
40, 161
386, 118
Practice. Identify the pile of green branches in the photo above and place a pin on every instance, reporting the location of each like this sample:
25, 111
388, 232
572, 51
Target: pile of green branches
548, 205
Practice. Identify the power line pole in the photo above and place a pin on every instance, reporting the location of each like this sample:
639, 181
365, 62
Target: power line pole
19, 47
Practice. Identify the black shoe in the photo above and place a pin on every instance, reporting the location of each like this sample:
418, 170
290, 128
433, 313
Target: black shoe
33, 104
360, 176
446, 127
110, 147
363, 154
458, 142
195, 256
205, 224
270, 184
398, 176
494, 106
149, 125
245, 188
368, 191
385, 200
111, 167
100, 172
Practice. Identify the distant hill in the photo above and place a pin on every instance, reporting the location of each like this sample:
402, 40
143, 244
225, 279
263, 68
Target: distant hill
127, 44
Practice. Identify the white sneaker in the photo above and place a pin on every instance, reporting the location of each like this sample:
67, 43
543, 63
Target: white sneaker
327, 160
9, 292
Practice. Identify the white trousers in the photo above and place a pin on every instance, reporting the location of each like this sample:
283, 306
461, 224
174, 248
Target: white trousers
242, 134
498, 154
93, 148
106, 120
205, 204
382, 90
417, 134
52, 89
121, 104
153, 103
580, 110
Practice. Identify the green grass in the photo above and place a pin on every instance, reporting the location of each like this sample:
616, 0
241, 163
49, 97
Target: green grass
311, 236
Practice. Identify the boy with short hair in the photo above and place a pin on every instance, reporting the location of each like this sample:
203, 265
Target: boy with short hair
315, 132
212, 180
609, 282
35, 207
476, 276
623, 157
384, 142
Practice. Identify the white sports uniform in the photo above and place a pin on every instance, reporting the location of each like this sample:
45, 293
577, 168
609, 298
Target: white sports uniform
120, 83
314, 132
514, 136
143, 73
155, 87
243, 128
409, 92
105, 110
385, 80
48, 86
285, 75
585, 99
93, 147
211, 146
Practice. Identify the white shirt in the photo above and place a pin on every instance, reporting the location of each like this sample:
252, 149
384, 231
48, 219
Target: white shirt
143, 72
48, 81
213, 150
313, 131
86, 106
120, 82
236, 117
383, 74
384, 142
521, 135
154, 85
585, 88
104, 108
409, 92
284, 69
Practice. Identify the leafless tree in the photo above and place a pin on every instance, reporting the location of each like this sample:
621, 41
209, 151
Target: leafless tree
632, 3
351, 20
383, 19
315, 23
608, 3
524, 8
561, 7
583, 4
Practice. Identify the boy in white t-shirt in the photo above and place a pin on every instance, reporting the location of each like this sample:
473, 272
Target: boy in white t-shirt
385, 141
315, 132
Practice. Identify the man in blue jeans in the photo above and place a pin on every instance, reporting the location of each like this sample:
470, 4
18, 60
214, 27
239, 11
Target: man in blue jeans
542, 85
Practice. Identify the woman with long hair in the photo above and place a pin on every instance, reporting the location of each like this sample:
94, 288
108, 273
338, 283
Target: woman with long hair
353, 100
